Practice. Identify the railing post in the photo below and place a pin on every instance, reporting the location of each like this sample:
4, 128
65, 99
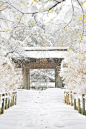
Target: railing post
68, 98
74, 103
79, 108
6, 101
0, 104
15, 98
83, 104
64, 96
12, 99
9, 101
71, 99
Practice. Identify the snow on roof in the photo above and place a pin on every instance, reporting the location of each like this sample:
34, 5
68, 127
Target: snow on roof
44, 54
44, 48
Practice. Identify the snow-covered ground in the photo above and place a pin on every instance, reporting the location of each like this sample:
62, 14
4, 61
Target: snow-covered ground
42, 110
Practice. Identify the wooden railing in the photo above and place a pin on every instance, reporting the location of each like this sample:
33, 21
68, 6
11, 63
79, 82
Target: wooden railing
7, 100
78, 103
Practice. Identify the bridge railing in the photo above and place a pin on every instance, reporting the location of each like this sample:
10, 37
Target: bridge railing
7, 100
78, 102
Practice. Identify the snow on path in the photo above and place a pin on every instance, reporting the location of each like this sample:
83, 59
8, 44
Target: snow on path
42, 110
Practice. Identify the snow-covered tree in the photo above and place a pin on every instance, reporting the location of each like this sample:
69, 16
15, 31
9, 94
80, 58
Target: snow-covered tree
42, 23
73, 71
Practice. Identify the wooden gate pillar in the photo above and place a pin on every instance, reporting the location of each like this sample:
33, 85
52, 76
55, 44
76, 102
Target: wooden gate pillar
26, 78
58, 80
23, 72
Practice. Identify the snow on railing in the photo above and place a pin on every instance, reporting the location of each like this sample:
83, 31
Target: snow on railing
77, 102
7, 100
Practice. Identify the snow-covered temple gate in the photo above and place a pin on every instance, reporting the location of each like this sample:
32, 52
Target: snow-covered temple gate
40, 58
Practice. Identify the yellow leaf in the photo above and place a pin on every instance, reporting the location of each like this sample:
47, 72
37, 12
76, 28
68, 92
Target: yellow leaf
42, 9
22, 2
31, 3
78, 55
79, 17
79, 41
80, 35
35, 0
70, 50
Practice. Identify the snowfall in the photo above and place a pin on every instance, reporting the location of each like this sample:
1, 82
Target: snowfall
42, 110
